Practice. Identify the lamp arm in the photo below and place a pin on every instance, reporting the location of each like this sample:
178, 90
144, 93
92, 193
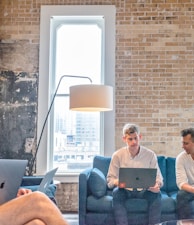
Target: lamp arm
32, 161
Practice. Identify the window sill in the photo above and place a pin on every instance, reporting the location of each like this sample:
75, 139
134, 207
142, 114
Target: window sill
67, 178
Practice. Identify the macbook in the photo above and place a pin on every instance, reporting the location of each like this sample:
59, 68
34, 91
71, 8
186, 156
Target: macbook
47, 180
137, 177
11, 174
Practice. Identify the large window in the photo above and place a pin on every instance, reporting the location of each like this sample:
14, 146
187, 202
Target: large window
80, 41
76, 49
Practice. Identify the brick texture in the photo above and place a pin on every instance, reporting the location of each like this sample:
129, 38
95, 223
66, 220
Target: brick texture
67, 197
154, 66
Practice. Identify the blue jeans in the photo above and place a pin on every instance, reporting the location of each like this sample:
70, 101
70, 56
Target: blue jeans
120, 195
184, 209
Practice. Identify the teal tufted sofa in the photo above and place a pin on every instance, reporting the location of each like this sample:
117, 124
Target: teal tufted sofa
95, 199
32, 182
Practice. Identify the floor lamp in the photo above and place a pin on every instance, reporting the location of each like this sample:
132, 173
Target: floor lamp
85, 97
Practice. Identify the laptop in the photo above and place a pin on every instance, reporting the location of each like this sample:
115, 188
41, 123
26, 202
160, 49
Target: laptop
11, 174
48, 177
137, 177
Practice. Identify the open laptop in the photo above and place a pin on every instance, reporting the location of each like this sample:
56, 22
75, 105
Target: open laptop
48, 177
137, 177
11, 174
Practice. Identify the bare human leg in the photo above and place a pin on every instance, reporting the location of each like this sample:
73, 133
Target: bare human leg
31, 209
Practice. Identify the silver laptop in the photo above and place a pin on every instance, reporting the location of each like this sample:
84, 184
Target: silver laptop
11, 174
137, 177
47, 180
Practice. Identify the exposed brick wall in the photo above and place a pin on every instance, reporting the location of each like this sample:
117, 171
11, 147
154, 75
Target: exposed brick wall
154, 62
154, 71
67, 197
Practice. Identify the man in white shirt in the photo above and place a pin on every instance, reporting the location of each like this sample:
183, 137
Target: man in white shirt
185, 175
136, 156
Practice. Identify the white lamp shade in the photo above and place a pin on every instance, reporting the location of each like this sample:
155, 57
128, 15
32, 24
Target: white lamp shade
91, 98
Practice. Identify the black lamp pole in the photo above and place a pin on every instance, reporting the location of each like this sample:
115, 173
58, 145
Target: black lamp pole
31, 162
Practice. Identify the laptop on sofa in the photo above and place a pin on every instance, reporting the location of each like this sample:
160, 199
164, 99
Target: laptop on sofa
137, 177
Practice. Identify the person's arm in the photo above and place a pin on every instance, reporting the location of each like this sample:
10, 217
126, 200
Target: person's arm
155, 188
187, 187
159, 178
112, 176
181, 174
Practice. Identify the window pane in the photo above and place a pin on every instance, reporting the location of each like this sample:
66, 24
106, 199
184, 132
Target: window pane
75, 138
78, 50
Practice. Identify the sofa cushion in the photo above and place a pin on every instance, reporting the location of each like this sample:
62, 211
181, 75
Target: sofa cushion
168, 205
162, 165
136, 205
172, 194
103, 204
102, 163
97, 183
170, 174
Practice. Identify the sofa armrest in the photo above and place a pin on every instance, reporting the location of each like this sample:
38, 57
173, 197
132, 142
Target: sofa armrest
83, 193
33, 182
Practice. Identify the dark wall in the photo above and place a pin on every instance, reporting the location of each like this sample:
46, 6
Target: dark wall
18, 96
18, 93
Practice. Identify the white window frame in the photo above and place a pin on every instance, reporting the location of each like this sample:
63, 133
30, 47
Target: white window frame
108, 11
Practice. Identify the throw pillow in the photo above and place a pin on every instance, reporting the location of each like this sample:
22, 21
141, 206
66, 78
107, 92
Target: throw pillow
97, 183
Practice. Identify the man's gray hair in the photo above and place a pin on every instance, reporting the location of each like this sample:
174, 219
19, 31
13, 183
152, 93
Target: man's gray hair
130, 128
